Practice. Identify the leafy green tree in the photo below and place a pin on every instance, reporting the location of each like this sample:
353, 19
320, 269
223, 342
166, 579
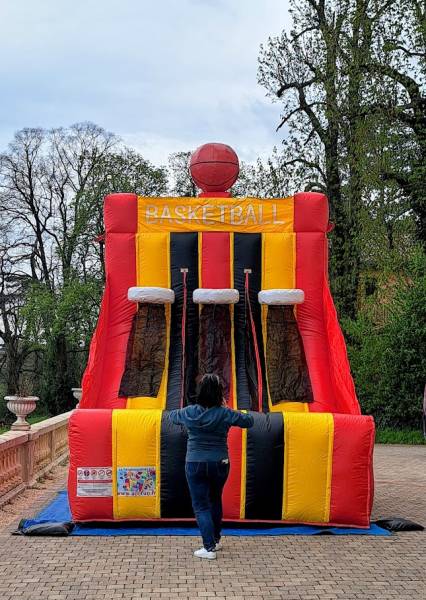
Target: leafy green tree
182, 182
121, 170
346, 80
387, 354
52, 185
60, 326
401, 64
404, 360
264, 179
304, 69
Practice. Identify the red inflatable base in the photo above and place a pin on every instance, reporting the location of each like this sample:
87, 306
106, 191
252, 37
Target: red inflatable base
294, 468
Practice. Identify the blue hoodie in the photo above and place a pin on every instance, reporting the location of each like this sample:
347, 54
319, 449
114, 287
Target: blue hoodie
208, 430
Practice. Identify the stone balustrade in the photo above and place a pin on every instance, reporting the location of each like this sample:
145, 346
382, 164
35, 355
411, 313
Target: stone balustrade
28, 455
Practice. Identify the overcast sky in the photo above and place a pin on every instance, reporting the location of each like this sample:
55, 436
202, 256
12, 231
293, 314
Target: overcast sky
166, 75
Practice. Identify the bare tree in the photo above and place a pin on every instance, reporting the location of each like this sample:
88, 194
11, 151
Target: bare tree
13, 282
52, 185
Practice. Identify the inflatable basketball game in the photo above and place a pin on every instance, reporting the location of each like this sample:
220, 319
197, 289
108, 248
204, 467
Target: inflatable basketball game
237, 287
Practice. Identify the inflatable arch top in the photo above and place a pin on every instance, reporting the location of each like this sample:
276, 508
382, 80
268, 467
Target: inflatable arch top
239, 287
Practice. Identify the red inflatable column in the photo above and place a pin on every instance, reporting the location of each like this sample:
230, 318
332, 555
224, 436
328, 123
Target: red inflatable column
109, 344
310, 224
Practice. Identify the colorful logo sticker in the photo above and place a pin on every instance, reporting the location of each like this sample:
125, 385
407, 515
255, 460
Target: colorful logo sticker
136, 481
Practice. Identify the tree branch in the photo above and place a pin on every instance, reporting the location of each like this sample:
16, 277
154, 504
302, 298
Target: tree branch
407, 82
295, 85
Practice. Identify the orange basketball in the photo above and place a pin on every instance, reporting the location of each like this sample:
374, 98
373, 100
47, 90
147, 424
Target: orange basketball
214, 167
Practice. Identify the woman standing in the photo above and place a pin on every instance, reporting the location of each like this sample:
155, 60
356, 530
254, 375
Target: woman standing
207, 463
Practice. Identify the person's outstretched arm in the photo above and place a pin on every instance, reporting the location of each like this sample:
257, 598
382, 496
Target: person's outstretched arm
176, 416
240, 419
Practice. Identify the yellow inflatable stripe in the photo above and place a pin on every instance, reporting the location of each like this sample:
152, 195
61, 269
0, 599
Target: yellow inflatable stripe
153, 259
308, 455
278, 261
153, 270
285, 407
243, 472
246, 215
136, 450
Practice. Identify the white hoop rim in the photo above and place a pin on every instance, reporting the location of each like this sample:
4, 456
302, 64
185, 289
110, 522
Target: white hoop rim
215, 296
281, 297
151, 295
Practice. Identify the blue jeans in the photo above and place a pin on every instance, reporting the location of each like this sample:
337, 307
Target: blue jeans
206, 481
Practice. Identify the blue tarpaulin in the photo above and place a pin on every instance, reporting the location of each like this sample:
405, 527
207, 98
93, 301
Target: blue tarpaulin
58, 511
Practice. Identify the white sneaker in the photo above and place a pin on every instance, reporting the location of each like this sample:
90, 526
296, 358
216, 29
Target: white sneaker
219, 546
203, 553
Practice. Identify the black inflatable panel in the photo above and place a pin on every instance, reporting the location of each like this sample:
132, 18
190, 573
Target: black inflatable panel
248, 255
175, 499
265, 467
183, 255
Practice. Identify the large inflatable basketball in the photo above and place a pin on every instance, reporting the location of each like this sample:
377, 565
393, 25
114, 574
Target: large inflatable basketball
237, 287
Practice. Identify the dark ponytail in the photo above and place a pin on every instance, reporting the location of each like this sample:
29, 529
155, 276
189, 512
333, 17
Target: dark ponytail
210, 391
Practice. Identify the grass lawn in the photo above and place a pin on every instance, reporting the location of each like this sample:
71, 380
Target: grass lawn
402, 436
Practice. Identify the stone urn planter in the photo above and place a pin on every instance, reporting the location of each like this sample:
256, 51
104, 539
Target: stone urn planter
77, 393
21, 406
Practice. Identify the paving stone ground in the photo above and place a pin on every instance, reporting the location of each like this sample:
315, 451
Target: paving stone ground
294, 568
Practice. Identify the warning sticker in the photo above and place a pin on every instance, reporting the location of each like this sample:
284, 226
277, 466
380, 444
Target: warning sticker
94, 481
136, 481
